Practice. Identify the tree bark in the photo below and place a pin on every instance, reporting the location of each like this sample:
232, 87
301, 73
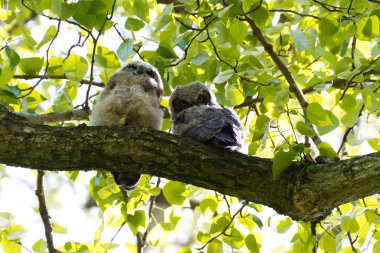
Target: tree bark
303, 192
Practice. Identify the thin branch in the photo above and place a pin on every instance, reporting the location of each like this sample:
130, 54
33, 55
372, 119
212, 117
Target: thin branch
329, 7
357, 74
47, 62
141, 239
294, 12
95, 43
80, 114
117, 232
224, 230
83, 81
44, 212
348, 235
253, 9
188, 45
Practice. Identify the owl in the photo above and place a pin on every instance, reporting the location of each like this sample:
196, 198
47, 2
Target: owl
131, 98
195, 114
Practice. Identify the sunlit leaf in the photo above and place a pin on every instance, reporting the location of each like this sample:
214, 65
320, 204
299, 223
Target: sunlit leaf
75, 67
173, 192
215, 246
49, 35
281, 161
31, 66
326, 150
327, 243
284, 225
13, 57
125, 49
134, 24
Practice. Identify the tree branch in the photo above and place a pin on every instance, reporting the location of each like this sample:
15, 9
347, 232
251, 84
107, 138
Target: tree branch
79, 114
293, 87
303, 192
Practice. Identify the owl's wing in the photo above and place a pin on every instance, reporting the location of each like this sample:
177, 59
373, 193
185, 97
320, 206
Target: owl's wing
218, 126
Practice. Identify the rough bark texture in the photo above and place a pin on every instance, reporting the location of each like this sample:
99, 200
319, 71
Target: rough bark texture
306, 192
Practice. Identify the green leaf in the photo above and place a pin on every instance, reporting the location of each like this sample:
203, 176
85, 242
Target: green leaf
184, 249
49, 35
12, 56
328, 26
222, 77
323, 119
208, 203
372, 27
125, 49
235, 239
134, 24
75, 67
234, 95
284, 225
370, 100
58, 228
31, 66
326, 150
304, 129
40, 246
281, 161
138, 219
374, 143
10, 246
251, 243
220, 223
372, 217
106, 58
327, 243
15, 232
174, 192
215, 246
166, 51
350, 224
141, 8
261, 127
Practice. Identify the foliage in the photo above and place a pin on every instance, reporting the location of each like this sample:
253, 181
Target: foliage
330, 48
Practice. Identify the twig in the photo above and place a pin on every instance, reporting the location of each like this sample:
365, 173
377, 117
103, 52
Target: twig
313, 226
188, 45
141, 239
80, 114
47, 61
44, 212
95, 43
294, 12
253, 9
117, 232
83, 81
329, 7
357, 74
349, 235
225, 229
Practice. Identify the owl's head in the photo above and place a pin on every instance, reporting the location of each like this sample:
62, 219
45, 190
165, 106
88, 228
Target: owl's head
192, 94
137, 73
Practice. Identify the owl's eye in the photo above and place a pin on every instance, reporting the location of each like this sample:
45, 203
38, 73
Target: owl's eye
179, 105
184, 103
140, 71
203, 98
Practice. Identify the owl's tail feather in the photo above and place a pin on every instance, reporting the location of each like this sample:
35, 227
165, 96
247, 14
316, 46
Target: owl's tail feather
126, 181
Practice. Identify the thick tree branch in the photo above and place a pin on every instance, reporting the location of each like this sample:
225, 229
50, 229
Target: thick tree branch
302, 192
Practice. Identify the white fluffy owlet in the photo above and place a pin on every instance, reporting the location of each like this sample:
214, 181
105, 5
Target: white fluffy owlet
196, 114
131, 98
